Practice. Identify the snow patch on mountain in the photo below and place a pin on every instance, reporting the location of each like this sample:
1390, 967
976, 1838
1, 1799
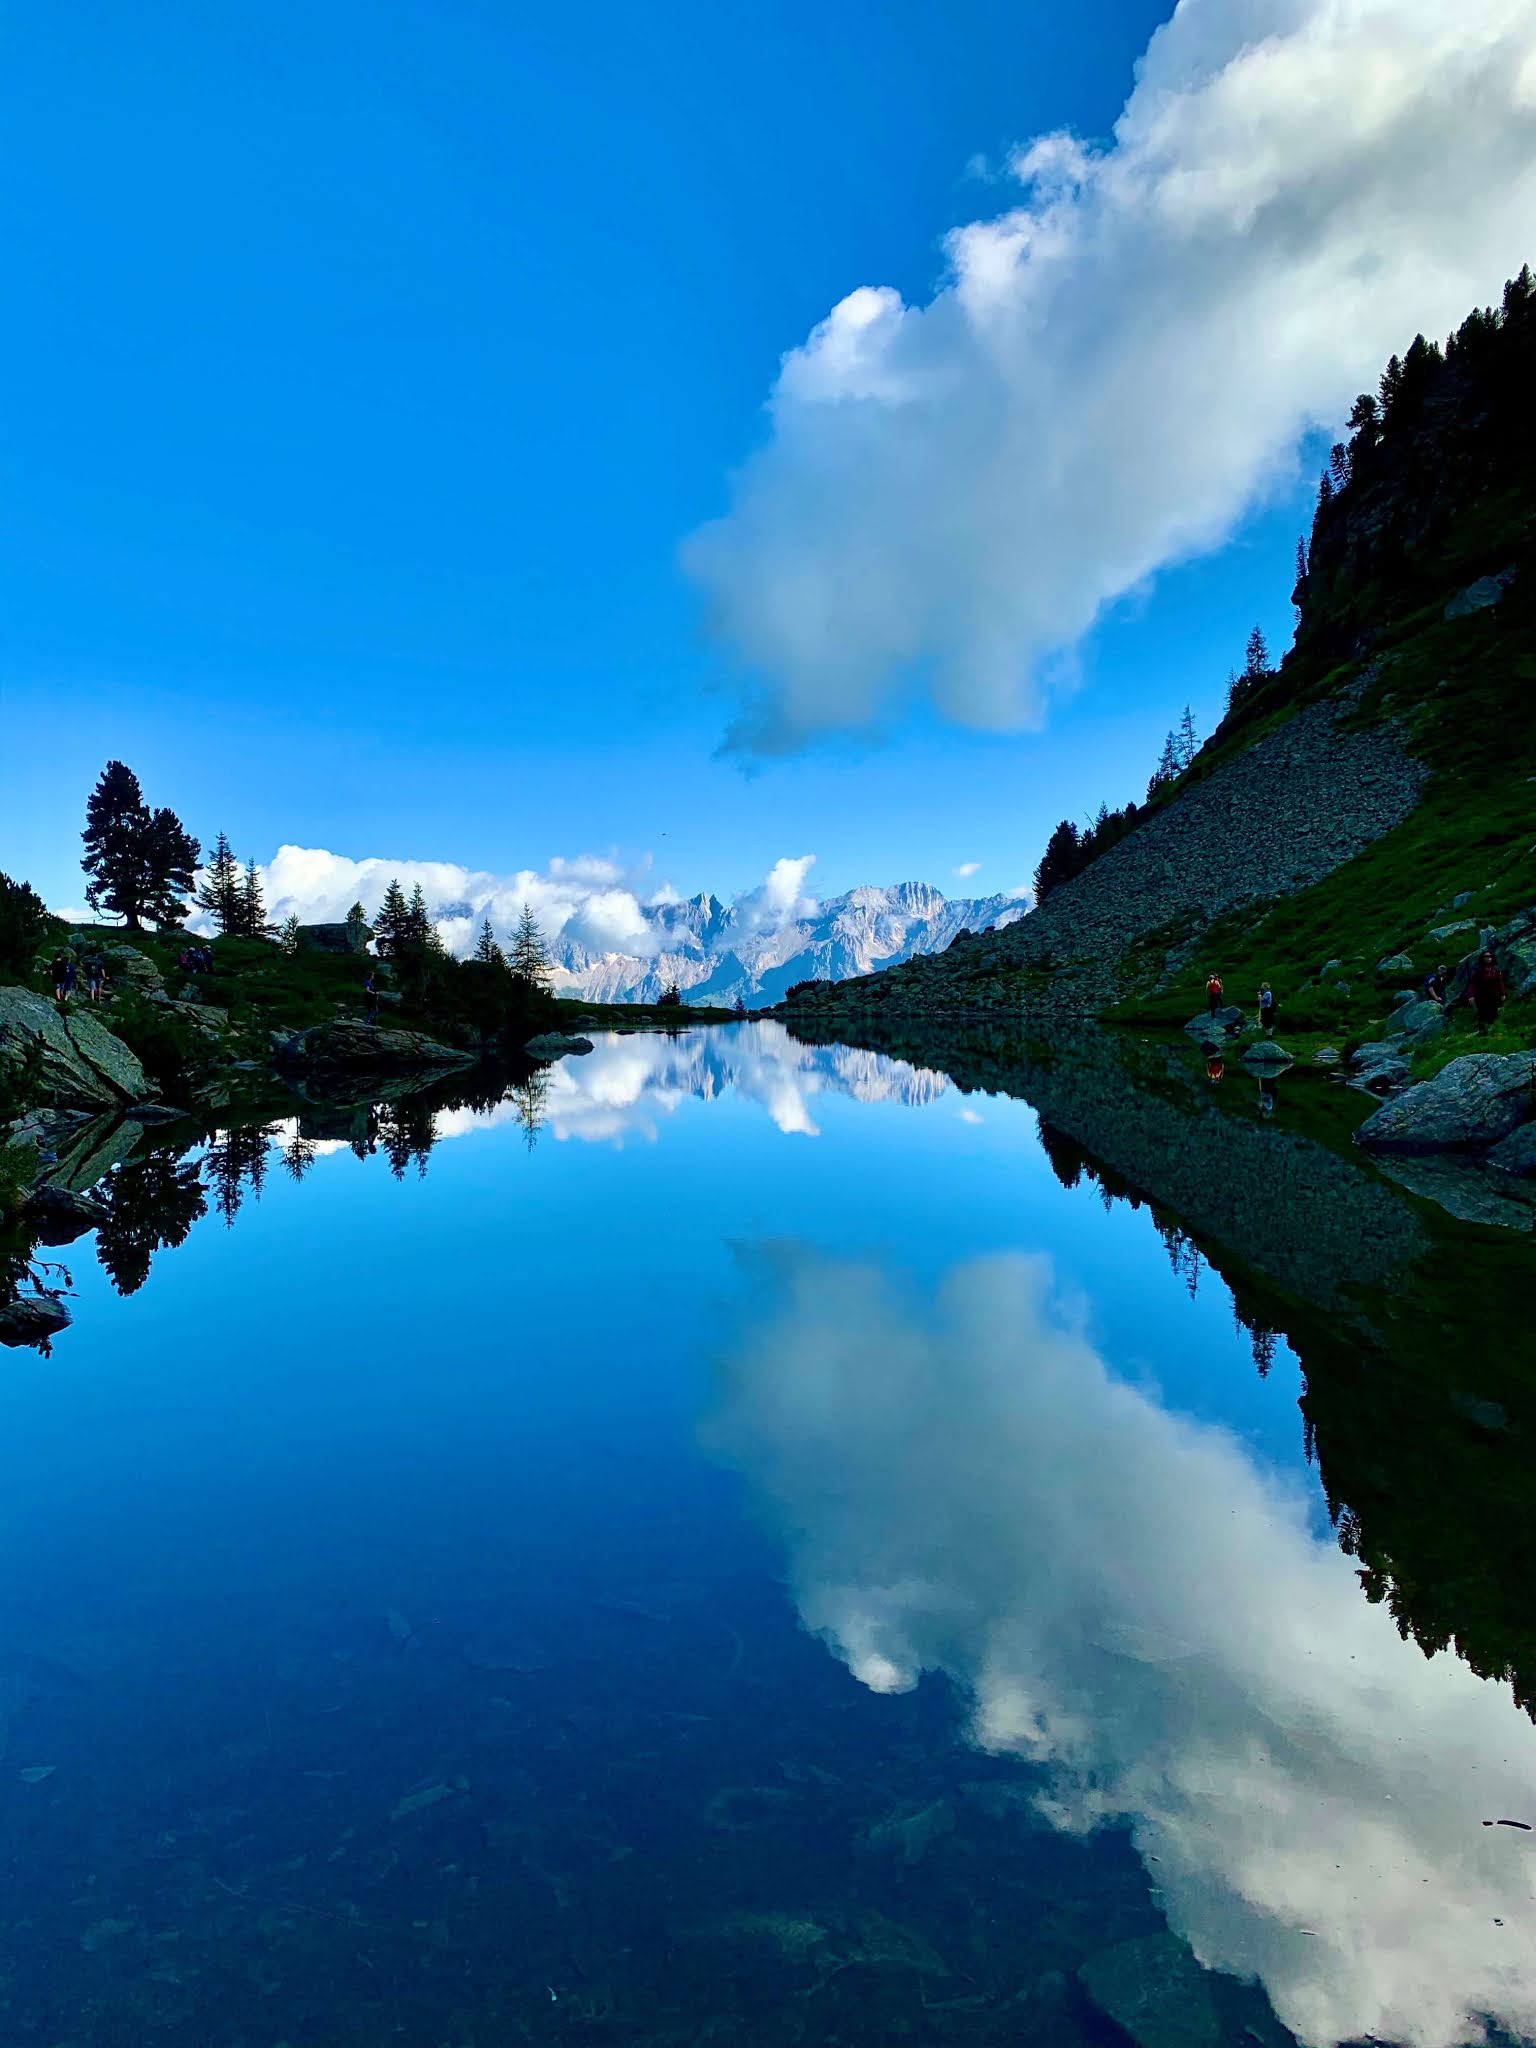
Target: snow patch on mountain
720, 953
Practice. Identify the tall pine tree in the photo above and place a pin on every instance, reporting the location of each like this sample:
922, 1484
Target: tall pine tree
392, 926
220, 894
1188, 739
488, 953
530, 955
253, 909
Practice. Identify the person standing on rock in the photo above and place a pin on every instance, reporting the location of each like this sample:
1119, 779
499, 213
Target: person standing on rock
1435, 986
1213, 994
1267, 1008
1487, 989
95, 977
60, 970
371, 996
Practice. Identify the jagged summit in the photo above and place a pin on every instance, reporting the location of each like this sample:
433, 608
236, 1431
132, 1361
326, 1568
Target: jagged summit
715, 954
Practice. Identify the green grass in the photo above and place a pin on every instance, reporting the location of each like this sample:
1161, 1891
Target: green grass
1464, 694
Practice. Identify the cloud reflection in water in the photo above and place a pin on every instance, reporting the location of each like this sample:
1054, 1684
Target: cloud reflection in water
1135, 1606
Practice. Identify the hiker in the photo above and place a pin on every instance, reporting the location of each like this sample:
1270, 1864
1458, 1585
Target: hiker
1435, 986
1267, 1008
371, 993
62, 971
1213, 993
1487, 989
95, 977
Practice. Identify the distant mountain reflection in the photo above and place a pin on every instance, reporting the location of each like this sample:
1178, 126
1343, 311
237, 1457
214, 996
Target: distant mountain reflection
962, 1484
151, 1186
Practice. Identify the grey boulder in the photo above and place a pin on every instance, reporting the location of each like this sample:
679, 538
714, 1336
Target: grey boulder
1516, 1154
553, 1045
1225, 1024
347, 1042
1469, 1105
32, 1319
1395, 963
78, 1064
1416, 1020
1266, 1054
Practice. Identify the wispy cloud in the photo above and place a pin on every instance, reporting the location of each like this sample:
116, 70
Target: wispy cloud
966, 869
1118, 366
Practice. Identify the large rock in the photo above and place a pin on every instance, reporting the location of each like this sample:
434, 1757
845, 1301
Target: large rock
1468, 1106
1516, 1154
78, 1064
1480, 596
1416, 1020
1225, 1024
1265, 1053
349, 1043
352, 936
1464, 1185
1155, 1991
32, 1319
1441, 932
554, 1045
1395, 963
58, 1215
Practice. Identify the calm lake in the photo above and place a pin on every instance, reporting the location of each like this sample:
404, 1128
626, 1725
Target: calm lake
743, 1542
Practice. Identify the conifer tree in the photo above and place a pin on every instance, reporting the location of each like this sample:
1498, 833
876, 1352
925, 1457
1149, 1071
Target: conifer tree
253, 909
140, 862
1256, 662
392, 926
423, 933
530, 955
289, 940
221, 894
1167, 768
1188, 739
488, 953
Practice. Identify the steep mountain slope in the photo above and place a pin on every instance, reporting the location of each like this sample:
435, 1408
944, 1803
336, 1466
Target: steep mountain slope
719, 953
1381, 785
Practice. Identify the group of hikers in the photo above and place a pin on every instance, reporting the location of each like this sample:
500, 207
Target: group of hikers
1486, 990
68, 975
195, 959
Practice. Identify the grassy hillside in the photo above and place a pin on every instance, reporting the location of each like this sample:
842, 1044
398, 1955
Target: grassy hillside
1381, 783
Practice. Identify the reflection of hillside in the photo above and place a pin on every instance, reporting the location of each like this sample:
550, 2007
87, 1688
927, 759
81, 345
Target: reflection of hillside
962, 1484
1413, 1333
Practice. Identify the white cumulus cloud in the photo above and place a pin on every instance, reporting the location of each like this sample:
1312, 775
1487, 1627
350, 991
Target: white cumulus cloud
593, 901
1122, 363
966, 869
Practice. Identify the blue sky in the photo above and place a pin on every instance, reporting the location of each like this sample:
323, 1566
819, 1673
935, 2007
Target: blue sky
369, 367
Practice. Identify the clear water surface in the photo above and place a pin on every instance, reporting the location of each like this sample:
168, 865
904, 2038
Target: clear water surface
728, 1548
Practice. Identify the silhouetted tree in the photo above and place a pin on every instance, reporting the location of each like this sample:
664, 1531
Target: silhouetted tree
1188, 738
220, 894
530, 955
488, 953
392, 928
1256, 667
289, 937
299, 1155
252, 915
1059, 863
152, 1202
140, 863
1167, 768
25, 926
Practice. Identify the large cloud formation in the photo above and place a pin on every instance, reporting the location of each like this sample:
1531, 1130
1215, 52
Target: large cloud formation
594, 902
1120, 365
1141, 1611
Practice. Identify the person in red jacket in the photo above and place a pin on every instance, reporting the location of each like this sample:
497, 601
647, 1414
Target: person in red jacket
1487, 988
1213, 994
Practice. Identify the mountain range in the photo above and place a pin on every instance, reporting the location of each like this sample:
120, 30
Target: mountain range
720, 953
